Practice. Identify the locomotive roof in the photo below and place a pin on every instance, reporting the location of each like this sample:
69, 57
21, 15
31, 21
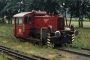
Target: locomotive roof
21, 14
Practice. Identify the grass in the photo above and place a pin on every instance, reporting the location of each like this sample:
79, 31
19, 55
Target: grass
24, 47
28, 48
82, 40
4, 56
75, 23
86, 19
6, 30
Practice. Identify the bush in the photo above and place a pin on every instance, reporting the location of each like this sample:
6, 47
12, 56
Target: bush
2, 21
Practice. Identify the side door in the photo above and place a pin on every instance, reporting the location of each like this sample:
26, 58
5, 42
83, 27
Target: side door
19, 27
27, 25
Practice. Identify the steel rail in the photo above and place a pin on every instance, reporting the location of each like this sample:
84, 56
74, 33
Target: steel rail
74, 52
19, 56
81, 48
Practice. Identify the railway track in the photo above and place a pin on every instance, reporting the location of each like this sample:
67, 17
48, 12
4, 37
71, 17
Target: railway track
23, 57
74, 50
80, 48
19, 56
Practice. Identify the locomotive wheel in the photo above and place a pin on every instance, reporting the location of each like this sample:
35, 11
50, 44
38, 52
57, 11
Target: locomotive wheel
43, 42
57, 45
22, 40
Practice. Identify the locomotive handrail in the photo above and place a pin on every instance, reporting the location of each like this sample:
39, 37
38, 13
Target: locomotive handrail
41, 34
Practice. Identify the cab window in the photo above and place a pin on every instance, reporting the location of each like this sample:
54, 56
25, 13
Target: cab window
19, 21
27, 20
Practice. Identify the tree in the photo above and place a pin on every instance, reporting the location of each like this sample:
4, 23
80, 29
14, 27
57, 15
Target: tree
78, 9
46, 5
71, 11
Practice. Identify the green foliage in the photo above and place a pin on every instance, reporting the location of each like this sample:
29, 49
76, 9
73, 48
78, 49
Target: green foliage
45, 5
27, 5
83, 39
6, 30
4, 56
12, 6
2, 21
76, 8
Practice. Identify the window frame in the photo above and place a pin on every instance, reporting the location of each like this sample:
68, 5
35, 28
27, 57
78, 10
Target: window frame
27, 20
19, 21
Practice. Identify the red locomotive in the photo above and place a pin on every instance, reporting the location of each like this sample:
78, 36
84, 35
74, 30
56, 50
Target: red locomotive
40, 26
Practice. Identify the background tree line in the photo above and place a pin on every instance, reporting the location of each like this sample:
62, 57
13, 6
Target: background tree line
76, 8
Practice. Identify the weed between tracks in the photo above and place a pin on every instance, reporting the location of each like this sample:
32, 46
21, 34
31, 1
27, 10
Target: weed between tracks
82, 40
29, 48
4, 56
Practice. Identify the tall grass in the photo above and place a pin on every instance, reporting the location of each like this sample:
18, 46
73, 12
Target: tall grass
6, 30
82, 40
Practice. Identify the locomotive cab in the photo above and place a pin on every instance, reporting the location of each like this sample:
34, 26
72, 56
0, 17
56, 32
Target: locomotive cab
22, 24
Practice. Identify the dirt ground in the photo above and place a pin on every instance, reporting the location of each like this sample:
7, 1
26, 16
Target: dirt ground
70, 56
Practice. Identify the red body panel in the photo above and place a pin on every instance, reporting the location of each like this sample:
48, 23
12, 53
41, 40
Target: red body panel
40, 22
19, 31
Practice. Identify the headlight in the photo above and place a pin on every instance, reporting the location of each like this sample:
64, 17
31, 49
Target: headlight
50, 26
57, 33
